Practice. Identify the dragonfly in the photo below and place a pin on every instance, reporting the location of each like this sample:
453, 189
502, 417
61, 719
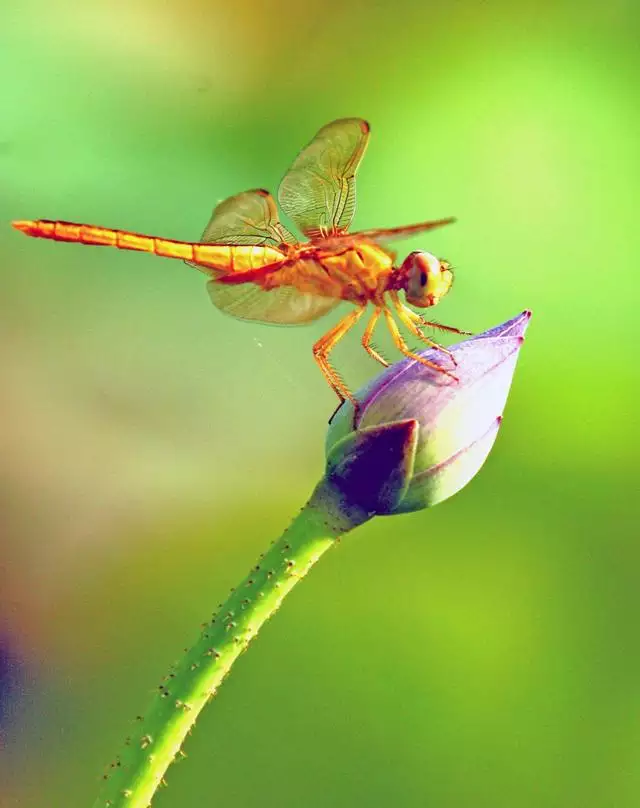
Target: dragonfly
259, 271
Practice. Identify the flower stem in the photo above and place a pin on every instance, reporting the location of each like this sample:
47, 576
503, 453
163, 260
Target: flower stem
132, 779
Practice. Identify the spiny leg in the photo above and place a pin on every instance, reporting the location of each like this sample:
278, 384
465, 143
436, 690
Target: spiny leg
325, 345
410, 319
366, 339
441, 327
404, 348
419, 320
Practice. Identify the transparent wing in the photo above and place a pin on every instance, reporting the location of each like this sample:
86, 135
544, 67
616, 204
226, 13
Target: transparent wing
252, 218
390, 233
319, 191
382, 234
283, 305
247, 218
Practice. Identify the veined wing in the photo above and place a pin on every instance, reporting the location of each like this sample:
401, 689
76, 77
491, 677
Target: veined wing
247, 218
284, 305
252, 218
384, 234
319, 191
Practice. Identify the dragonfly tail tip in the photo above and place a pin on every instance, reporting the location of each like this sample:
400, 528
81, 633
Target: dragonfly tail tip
24, 226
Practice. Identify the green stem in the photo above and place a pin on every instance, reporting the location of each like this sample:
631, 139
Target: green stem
134, 776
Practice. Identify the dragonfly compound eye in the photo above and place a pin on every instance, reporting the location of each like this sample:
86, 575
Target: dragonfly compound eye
427, 280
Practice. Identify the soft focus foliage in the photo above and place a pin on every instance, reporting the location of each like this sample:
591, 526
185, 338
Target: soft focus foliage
482, 653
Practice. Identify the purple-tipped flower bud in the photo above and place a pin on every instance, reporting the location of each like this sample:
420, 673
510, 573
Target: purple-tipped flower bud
419, 436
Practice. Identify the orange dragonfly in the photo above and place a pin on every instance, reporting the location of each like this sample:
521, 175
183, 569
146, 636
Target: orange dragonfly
258, 271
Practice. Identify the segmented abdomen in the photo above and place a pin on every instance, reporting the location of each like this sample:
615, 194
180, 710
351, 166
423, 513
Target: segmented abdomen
221, 257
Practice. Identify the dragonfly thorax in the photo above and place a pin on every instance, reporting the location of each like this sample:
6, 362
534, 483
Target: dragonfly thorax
358, 273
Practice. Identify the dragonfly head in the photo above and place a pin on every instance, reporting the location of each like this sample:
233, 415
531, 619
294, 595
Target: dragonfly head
425, 279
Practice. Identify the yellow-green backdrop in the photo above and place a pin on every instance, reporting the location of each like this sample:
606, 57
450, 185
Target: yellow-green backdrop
481, 654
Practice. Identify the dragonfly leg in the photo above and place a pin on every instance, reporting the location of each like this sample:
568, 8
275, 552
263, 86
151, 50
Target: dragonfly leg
429, 324
404, 348
326, 344
413, 323
366, 339
419, 319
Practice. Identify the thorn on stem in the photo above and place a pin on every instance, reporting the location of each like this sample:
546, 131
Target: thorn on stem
182, 705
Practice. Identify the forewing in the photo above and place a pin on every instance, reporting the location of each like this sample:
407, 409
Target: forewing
318, 192
283, 305
247, 218
382, 234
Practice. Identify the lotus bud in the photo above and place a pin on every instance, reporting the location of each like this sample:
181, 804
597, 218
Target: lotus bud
418, 436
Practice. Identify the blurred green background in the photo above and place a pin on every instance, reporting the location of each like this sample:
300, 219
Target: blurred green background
484, 653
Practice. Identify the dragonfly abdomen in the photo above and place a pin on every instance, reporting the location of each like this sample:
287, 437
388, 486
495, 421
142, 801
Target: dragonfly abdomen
222, 257
105, 237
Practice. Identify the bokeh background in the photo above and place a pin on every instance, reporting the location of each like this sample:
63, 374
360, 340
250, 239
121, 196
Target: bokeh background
484, 653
